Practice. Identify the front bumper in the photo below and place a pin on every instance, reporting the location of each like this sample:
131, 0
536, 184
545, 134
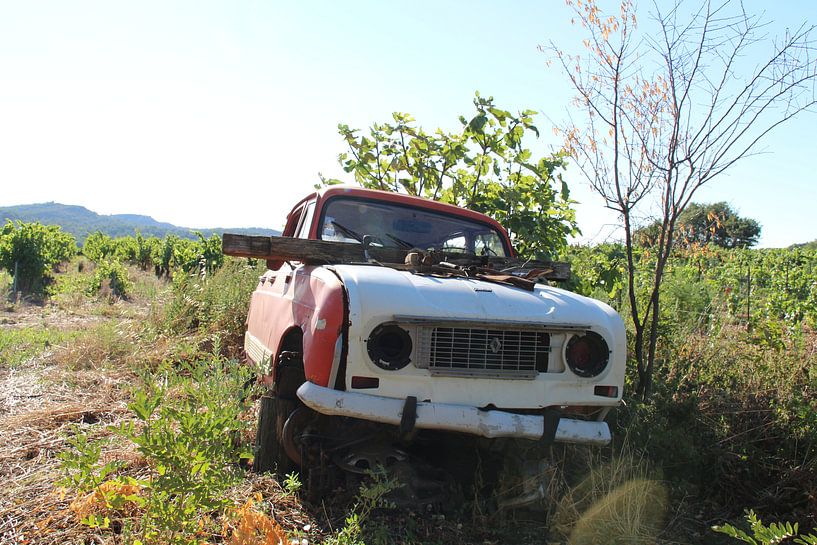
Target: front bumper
450, 417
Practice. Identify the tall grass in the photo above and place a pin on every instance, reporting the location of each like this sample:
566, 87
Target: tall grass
616, 500
212, 306
733, 420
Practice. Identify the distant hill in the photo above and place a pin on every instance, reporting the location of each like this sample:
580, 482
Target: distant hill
80, 222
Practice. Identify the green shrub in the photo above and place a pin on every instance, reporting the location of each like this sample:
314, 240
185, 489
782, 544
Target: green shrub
111, 279
99, 247
214, 304
188, 426
731, 419
134, 250
32, 249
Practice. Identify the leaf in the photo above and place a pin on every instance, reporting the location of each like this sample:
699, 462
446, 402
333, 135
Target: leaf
477, 124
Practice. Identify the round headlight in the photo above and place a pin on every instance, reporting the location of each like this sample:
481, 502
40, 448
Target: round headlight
389, 347
587, 355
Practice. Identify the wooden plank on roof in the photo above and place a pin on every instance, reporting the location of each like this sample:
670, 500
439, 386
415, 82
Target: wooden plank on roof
327, 251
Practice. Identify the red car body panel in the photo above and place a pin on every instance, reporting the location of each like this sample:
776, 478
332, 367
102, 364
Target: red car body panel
307, 299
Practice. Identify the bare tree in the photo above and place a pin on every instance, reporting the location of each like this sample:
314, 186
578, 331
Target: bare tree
659, 116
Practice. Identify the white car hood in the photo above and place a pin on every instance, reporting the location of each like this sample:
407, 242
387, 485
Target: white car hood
376, 292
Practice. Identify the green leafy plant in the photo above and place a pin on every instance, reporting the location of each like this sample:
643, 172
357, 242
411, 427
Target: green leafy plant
371, 495
30, 250
486, 167
98, 247
292, 483
188, 426
761, 534
80, 463
110, 277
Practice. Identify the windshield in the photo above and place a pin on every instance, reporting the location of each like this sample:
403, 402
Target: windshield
399, 226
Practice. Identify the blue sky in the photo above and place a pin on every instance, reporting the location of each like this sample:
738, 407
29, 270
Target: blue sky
222, 113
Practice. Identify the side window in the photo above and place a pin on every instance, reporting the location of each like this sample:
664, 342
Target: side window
306, 221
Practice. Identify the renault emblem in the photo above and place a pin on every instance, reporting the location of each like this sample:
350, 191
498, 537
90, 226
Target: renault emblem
495, 345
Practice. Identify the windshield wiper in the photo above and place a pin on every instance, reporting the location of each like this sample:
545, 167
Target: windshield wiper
347, 232
404, 243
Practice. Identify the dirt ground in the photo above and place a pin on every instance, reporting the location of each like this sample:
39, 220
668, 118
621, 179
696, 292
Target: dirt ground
39, 403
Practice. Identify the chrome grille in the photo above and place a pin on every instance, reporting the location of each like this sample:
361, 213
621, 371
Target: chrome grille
482, 352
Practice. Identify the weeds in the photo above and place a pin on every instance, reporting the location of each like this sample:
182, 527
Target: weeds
18, 346
774, 533
734, 422
188, 427
211, 303
371, 495
292, 483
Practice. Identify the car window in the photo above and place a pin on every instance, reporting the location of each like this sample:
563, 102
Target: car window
306, 221
399, 226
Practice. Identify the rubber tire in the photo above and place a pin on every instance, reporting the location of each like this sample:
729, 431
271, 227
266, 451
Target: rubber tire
269, 450
275, 408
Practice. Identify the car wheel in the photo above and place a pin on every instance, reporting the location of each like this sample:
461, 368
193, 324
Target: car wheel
270, 454
276, 407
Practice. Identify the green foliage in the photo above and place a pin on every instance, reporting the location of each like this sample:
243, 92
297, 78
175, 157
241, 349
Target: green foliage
81, 466
729, 417
733, 408
34, 249
598, 271
292, 483
756, 286
371, 495
18, 345
213, 305
197, 256
486, 168
188, 427
774, 533
135, 250
174, 253
702, 224
99, 247
110, 278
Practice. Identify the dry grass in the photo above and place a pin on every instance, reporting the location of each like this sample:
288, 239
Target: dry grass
31, 509
81, 383
84, 384
618, 501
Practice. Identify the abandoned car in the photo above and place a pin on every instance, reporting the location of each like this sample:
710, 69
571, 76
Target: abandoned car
397, 331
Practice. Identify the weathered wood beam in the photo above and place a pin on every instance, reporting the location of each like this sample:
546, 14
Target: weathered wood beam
305, 251
327, 251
